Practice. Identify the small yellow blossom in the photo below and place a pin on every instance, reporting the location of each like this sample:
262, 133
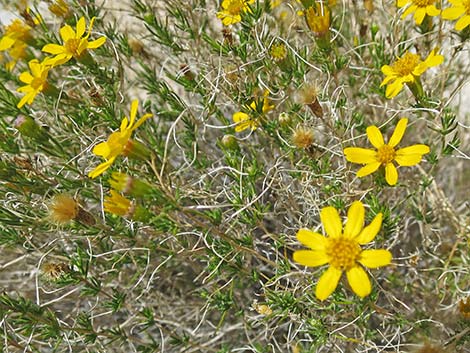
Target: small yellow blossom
232, 9
278, 51
117, 204
460, 9
245, 121
16, 32
407, 69
118, 141
420, 8
17, 52
318, 19
386, 153
75, 44
342, 250
36, 81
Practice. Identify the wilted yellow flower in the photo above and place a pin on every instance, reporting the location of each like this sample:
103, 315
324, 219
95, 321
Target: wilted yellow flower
36, 81
75, 44
407, 69
17, 52
245, 121
342, 250
118, 142
318, 18
232, 9
117, 204
459, 8
420, 8
386, 153
60, 9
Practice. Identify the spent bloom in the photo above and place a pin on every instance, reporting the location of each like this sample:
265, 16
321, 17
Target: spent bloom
75, 44
318, 19
407, 69
36, 81
341, 249
119, 142
460, 9
386, 153
121, 206
420, 8
245, 121
232, 9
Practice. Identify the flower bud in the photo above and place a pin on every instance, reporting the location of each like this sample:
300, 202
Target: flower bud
28, 127
230, 142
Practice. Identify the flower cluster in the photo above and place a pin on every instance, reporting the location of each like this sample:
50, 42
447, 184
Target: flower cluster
232, 10
15, 42
256, 108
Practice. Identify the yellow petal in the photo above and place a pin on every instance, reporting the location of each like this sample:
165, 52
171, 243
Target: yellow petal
452, 13
398, 133
387, 79
409, 10
66, 33
375, 136
124, 123
53, 49
387, 70
360, 155
368, 169
239, 117
394, 88
327, 283
133, 112
35, 68
141, 121
359, 281
370, 232
313, 240
6, 43
462, 23
375, 258
355, 221
102, 149
101, 168
433, 59
411, 155
419, 15
331, 222
81, 27
431, 10
391, 174
26, 77
401, 3
23, 101
92, 21
96, 43
310, 258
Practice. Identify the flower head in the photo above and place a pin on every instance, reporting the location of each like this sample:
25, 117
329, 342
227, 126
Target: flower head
16, 32
232, 9
318, 19
118, 204
75, 44
342, 250
386, 153
36, 81
460, 9
118, 142
245, 121
420, 8
278, 51
60, 9
407, 69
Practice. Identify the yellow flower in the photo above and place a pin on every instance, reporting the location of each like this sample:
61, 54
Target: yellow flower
421, 8
459, 8
318, 19
278, 51
60, 9
342, 250
118, 141
232, 9
75, 45
17, 52
117, 204
245, 121
36, 81
16, 32
385, 153
407, 69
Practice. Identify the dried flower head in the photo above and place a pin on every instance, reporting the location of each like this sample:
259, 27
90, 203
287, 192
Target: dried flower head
63, 208
464, 308
54, 270
303, 137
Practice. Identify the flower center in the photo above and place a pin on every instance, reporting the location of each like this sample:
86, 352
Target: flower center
37, 83
342, 252
72, 45
385, 154
235, 7
423, 3
405, 65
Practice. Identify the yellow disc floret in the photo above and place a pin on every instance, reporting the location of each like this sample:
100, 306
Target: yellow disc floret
342, 252
385, 154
